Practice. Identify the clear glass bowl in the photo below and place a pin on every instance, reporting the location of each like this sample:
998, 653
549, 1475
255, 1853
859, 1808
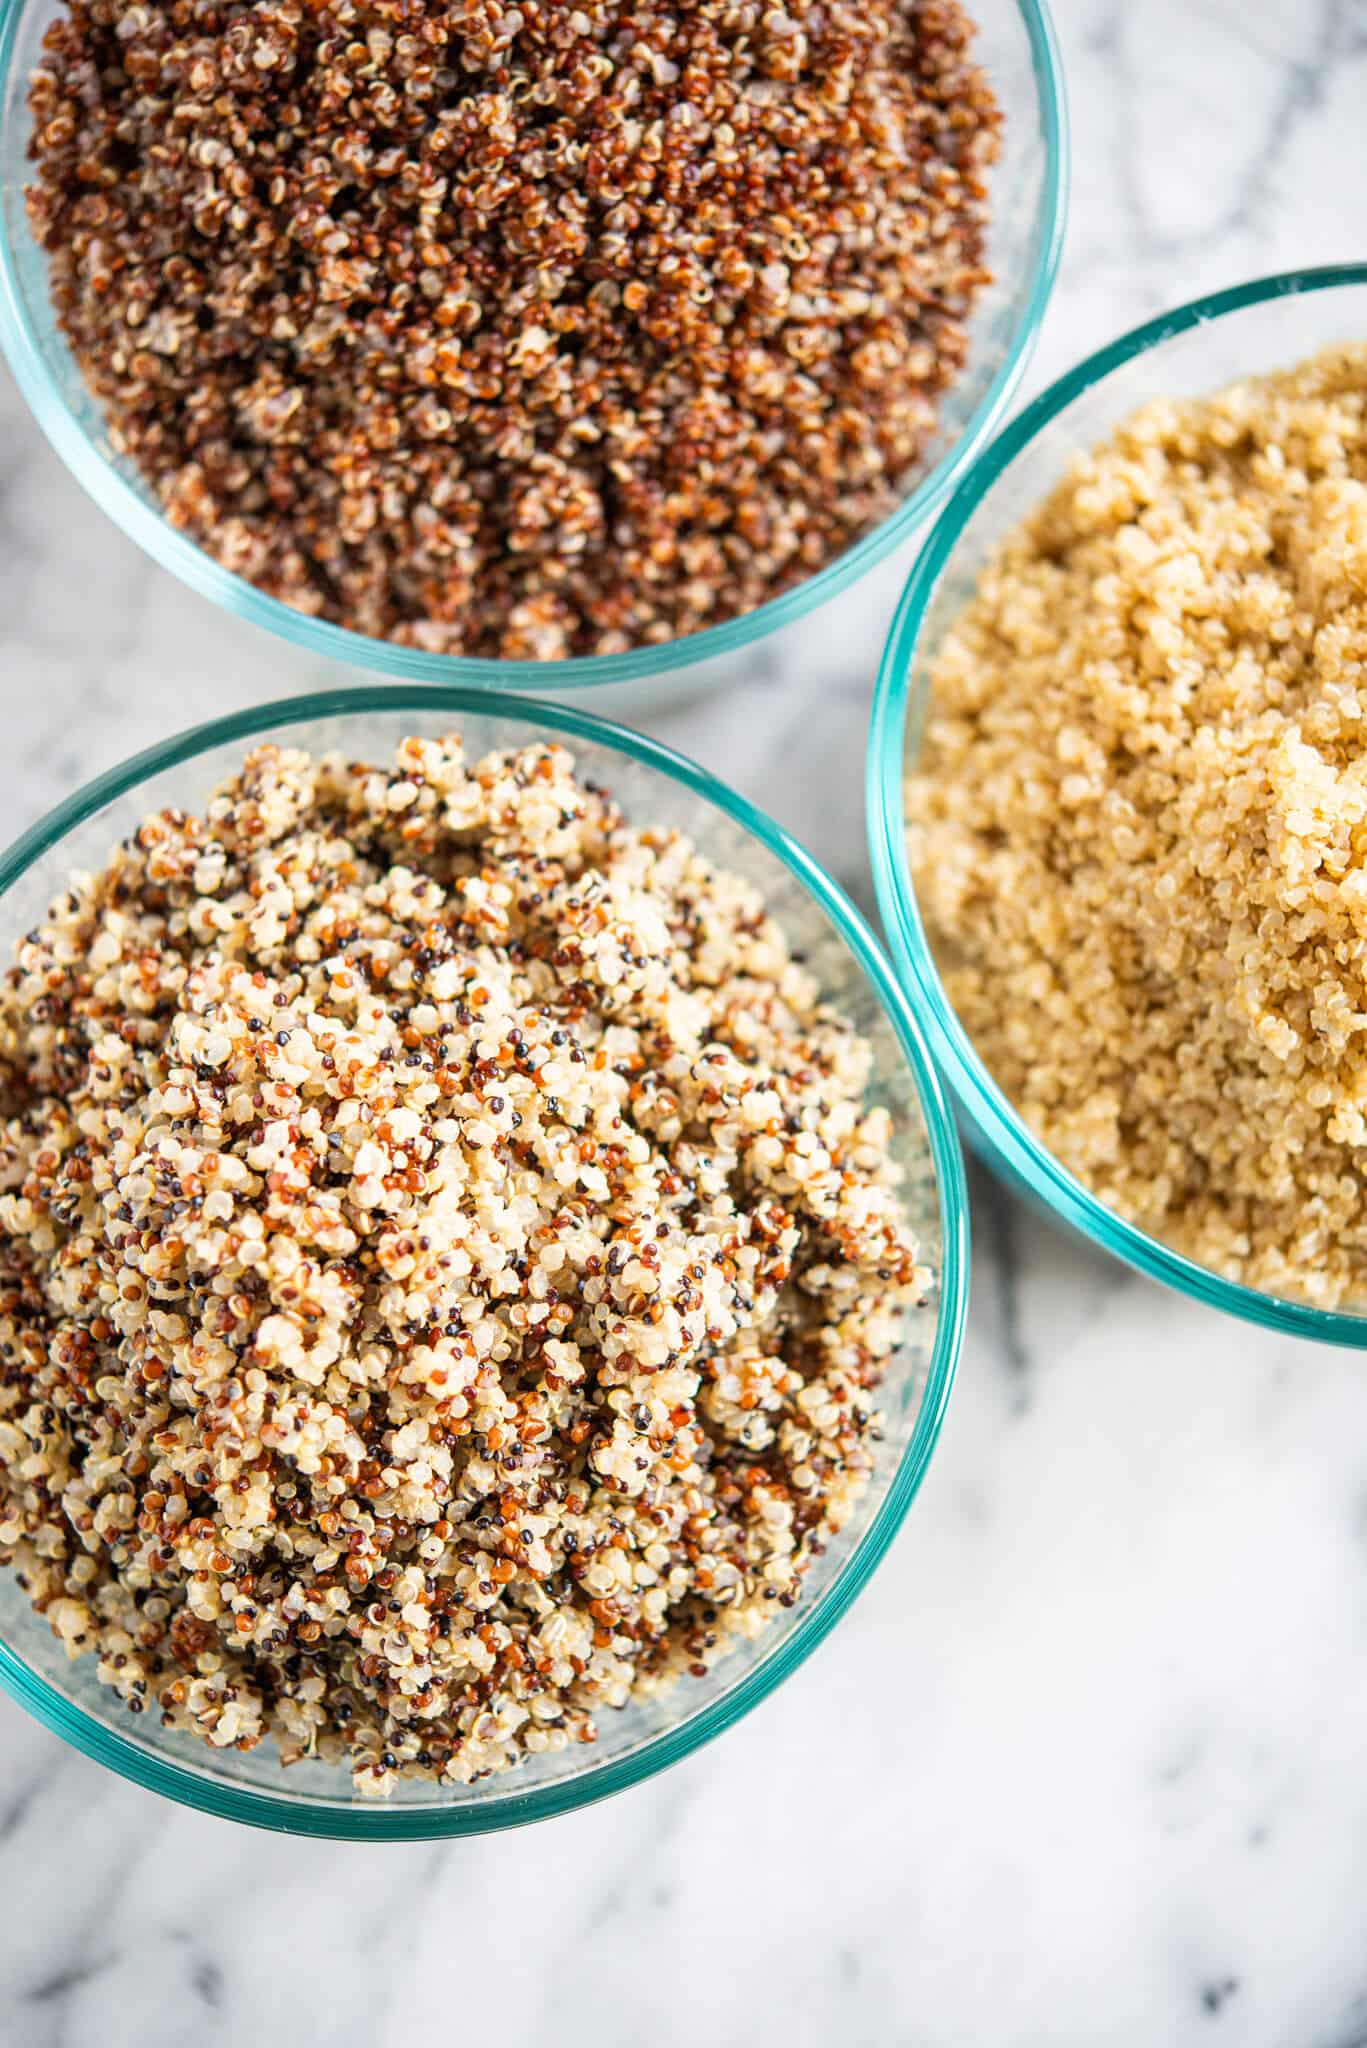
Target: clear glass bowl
1016, 45
655, 784
1266, 325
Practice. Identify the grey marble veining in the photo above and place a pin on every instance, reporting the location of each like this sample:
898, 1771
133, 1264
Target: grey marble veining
1083, 1766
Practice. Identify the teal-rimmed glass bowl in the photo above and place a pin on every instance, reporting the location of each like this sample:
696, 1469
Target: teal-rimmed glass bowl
1017, 48
653, 784
1251, 328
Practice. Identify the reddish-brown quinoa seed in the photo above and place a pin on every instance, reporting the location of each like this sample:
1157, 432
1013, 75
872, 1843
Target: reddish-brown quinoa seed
519, 331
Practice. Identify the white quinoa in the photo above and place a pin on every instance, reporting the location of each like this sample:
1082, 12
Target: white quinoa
1139, 825
445, 1263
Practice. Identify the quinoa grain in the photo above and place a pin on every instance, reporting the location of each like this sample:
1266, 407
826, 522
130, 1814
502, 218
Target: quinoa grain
446, 1264
1138, 827
516, 331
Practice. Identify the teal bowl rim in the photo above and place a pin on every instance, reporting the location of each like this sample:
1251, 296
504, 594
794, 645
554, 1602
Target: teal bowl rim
994, 1127
194, 567
292, 1815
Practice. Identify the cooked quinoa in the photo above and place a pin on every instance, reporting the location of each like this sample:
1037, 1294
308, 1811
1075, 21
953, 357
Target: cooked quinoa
516, 330
445, 1263
1139, 825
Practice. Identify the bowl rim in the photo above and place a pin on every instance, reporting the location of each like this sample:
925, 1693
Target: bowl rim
194, 567
993, 1127
290, 1813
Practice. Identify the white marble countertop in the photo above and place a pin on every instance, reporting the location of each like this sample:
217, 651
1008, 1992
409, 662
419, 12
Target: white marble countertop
1084, 1765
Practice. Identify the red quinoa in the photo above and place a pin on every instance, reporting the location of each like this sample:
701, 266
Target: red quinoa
525, 330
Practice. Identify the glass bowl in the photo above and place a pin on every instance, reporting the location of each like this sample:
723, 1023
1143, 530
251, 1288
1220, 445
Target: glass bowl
1272, 322
655, 784
1017, 48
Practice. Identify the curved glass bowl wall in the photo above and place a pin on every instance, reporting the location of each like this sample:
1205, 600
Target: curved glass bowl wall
1016, 46
1266, 325
658, 786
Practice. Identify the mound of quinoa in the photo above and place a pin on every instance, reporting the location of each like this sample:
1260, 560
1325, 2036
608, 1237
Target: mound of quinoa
445, 1263
516, 330
1139, 826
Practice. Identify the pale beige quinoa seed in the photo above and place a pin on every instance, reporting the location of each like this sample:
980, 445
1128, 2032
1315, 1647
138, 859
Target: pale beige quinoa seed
446, 1262
1139, 825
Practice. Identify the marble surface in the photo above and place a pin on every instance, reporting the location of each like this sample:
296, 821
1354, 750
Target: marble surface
1084, 1765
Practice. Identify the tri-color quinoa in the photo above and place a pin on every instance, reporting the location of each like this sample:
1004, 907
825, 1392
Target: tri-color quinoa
516, 330
445, 1263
